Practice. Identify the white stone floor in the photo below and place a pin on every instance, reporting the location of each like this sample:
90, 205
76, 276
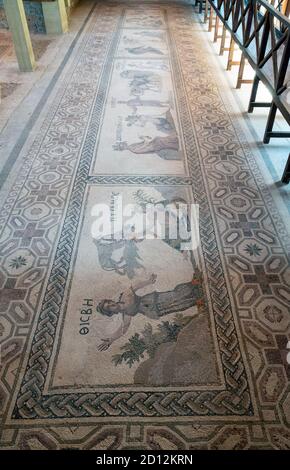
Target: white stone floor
17, 108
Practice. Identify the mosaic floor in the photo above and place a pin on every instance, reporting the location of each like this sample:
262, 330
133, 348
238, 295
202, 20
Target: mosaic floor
6, 89
39, 43
7, 56
139, 343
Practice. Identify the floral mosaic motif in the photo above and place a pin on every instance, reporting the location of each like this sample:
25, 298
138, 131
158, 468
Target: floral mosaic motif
253, 249
18, 262
273, 314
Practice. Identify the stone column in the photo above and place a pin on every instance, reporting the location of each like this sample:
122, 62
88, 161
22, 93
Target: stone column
21, 38
55, 16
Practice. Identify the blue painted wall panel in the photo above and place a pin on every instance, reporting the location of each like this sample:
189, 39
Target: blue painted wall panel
34, 16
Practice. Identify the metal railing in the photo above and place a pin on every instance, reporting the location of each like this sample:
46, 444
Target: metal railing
263, 35
262, 32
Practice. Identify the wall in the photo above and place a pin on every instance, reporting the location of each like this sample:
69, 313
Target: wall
34, 16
